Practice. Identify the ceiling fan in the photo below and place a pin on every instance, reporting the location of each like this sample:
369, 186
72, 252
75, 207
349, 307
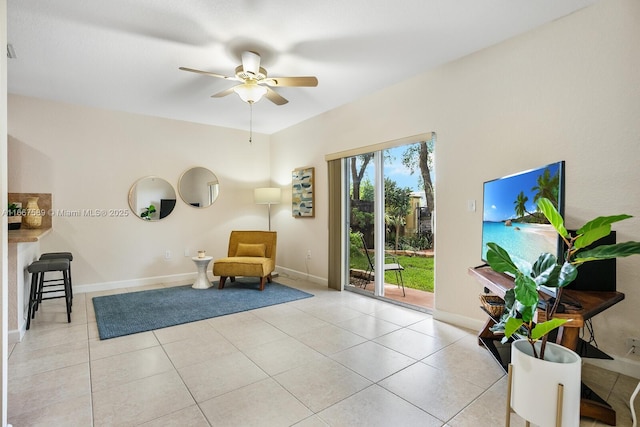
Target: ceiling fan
254, 81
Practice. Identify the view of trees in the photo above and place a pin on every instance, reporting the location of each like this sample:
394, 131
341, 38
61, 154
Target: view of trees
420, 156
416, 157
397, 207
357, 173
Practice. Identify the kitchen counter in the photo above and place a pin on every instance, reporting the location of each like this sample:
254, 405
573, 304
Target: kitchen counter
28, 234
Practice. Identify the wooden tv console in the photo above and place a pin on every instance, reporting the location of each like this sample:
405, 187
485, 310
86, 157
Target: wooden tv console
593, 302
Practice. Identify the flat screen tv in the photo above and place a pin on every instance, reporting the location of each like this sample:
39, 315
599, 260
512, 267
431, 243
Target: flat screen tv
510, 216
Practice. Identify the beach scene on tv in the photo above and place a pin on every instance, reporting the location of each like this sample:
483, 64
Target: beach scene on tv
511, 217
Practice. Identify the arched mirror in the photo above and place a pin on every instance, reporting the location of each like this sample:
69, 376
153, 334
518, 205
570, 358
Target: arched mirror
152, 198
198, 187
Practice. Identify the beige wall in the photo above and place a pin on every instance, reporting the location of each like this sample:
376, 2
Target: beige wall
89, 158
567, 91
4, 252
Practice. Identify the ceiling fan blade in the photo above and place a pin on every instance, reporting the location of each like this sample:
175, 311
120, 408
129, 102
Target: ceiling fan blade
250, 62
223, 93
308, 81
275, 97
207, 73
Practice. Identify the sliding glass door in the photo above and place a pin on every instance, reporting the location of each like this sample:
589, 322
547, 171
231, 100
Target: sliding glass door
380, 206
387, 201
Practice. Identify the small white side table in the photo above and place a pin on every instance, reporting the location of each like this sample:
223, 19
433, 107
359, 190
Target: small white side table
202, 281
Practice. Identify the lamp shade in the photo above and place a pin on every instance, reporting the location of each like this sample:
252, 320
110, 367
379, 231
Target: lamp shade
267, 196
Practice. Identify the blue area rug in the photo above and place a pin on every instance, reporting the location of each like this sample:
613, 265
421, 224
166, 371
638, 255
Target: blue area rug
133, 312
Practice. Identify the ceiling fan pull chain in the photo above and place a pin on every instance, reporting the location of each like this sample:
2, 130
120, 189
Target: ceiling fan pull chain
250, 122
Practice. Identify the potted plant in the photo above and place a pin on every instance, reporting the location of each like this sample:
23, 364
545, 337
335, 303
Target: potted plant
521, 302
14, 216
147, 212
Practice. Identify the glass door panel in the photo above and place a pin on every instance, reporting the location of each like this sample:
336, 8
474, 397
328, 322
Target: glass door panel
389, 218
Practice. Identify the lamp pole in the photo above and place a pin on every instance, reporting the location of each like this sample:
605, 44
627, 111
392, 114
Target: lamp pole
267, 196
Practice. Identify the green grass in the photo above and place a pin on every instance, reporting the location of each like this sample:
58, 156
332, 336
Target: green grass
417, 274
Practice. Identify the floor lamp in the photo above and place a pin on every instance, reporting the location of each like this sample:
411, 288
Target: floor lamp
267, 196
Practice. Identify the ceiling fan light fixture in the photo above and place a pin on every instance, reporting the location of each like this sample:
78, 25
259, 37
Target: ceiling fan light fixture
250, 92
252, 76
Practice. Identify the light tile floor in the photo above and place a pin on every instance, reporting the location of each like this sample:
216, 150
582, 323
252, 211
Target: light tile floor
338, 359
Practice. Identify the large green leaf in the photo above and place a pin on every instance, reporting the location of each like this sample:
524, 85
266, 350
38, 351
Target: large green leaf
596, 229
499, 259
551, 278
527, 312
601, 221
591, 236
552, 214
544, 269
525, 290
511, 326
526, 293
617, 250
543, 263
568, 274
509, 298
542, 329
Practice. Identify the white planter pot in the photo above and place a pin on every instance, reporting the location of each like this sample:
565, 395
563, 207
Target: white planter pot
534, 386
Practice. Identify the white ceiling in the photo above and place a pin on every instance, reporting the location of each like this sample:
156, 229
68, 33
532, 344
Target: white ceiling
124, 54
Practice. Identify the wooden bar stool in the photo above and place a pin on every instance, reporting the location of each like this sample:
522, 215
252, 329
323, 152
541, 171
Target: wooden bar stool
65, 255
60, 288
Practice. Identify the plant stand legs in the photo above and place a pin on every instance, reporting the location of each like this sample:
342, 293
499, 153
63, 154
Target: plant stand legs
559, 410
509, 376
527, 423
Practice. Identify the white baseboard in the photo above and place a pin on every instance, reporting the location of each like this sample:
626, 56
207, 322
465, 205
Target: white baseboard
300, 275
458, 320
186, 277
133, 283
622, 365
15, 335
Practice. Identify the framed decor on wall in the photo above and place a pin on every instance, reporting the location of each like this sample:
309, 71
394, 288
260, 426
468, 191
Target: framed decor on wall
302, 193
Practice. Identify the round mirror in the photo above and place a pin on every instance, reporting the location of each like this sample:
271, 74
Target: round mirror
198, 187
152, 198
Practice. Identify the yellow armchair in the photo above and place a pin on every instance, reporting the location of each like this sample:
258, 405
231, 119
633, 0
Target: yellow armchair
250, 254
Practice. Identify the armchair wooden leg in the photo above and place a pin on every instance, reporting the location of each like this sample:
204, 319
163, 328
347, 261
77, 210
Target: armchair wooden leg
222, 280
262, 282
269, 278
